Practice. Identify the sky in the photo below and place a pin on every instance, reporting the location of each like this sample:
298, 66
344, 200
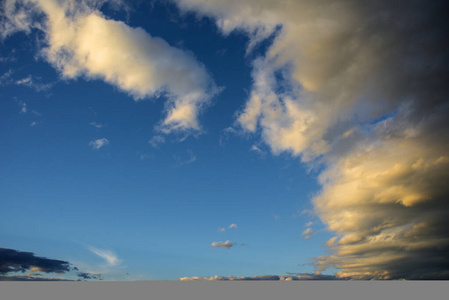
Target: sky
223, 140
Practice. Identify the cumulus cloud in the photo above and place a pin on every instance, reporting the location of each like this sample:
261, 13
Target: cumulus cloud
81, 41
227, 245
110, 257
17, 261
233, 226
360, 88
97, 144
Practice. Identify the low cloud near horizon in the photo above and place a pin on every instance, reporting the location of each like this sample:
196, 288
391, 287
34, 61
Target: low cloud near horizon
301, 276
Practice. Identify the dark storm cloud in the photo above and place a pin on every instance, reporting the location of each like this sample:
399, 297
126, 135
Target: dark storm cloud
17, 261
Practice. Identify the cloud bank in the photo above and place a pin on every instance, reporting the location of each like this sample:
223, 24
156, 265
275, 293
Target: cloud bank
359, 88
81, 42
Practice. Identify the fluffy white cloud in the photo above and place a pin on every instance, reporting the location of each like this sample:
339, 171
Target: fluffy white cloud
97, 144
362, 88
80, 41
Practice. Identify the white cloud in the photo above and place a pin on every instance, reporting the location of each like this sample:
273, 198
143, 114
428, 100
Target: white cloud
97, 144
80, 41
233, 226
360, 88
110, 258
227, 245
221, 229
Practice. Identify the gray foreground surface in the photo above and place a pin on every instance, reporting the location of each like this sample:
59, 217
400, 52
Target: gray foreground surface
172, 290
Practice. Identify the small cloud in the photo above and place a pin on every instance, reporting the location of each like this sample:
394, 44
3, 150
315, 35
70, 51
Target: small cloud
110, 258
227, 245
96, 125
143, 156
36, 113
97, 144
225, 135
221, 229
86, 276
348, 133
257, 149
308, 224
33, 123
233, 226
156, 141
307, 233
243, 244
185, 161
33, 83
23, 108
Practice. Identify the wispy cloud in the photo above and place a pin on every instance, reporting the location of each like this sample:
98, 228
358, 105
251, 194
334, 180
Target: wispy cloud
110, 258
257, 150
96, 125
180, 161
221, 229
97, 144
227, 245
156, 140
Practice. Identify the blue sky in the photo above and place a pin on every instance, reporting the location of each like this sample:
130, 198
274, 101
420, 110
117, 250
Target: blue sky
133, 135
158, 208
